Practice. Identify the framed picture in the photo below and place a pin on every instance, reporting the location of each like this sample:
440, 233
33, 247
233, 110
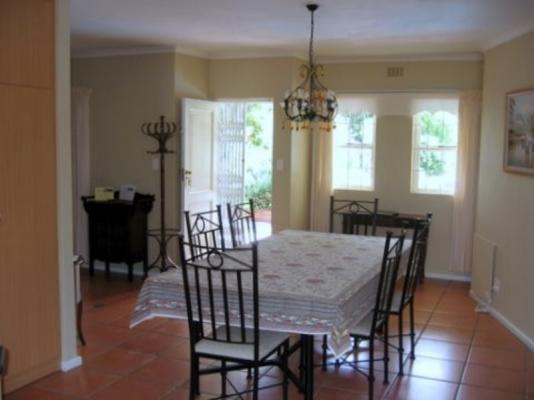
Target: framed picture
519, 132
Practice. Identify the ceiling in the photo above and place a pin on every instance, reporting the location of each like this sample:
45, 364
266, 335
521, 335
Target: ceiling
253, 28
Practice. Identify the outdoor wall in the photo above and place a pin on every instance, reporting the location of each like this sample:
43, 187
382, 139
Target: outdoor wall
394, 138
505, 201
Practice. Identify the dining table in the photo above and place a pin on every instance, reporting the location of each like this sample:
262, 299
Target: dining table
310, 283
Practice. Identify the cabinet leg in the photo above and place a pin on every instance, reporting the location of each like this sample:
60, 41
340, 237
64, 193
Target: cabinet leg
130, 272
91, 267
107, 269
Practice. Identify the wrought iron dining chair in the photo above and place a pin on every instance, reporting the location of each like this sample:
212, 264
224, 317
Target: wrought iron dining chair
358, 217
404, 295
221, 295
205, 231
242, 222
375, 324
423, 238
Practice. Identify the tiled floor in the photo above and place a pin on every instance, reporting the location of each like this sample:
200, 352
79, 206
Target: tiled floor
460, 355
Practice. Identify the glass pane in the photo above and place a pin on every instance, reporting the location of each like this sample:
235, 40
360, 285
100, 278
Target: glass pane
356, 127
353, 161
435, 171
435, 129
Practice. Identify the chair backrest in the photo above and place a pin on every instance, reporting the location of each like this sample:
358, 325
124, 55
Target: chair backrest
222, 291
424, 246
387, 280
420, 234
242, 223
358, 216
205, 230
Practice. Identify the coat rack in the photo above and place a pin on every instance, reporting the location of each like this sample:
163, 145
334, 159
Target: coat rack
161, 131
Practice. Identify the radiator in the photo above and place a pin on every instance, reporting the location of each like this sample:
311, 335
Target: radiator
483, 269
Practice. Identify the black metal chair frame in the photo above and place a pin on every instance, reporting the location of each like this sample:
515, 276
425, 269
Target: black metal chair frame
242, 222
416, 257
206, 319
205, 230
424, 247
384, 296
356, 207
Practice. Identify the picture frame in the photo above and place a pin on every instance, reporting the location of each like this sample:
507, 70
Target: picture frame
519, 132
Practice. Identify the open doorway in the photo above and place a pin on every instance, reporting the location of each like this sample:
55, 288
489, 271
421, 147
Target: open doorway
244, 157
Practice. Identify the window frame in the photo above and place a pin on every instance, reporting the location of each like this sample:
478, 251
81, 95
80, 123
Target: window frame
360, 146
417, 149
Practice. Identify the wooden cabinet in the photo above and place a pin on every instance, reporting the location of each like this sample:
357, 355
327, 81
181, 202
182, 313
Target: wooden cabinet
29, 290
118, 231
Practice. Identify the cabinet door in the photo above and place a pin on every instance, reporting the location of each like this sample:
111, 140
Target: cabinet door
29, 306
27, 42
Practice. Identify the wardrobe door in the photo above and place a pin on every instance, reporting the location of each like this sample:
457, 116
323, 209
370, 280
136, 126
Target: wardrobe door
29, 272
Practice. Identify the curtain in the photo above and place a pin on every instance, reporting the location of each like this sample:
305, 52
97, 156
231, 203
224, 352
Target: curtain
463, 220
80, 107
321, 176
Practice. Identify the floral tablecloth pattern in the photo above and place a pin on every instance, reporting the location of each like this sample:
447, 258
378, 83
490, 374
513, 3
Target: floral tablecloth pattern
309, 282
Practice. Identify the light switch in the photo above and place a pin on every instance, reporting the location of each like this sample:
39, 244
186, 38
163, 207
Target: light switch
279, 164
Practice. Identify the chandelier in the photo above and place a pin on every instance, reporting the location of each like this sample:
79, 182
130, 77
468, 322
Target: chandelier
310, 101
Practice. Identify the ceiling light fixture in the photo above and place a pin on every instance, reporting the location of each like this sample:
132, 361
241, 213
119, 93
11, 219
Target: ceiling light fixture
310, 101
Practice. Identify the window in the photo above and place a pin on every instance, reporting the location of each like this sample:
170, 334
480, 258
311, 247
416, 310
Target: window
434, 152
354, 150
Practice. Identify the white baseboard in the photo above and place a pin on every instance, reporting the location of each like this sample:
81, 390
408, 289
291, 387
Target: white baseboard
71, 363
448, 277
506, 322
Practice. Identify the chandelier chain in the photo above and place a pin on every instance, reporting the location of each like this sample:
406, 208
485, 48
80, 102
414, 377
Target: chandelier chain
311, 38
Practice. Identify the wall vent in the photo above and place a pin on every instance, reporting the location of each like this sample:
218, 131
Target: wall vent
395, 72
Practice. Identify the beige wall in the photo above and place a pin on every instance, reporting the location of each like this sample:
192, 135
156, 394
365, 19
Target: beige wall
127, 77
442, 75
505, 201
394, 137
127, 92
392, 188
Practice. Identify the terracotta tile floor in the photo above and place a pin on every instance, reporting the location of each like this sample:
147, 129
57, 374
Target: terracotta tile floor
460, 355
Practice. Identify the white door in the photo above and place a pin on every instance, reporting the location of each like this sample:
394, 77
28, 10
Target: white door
199, 155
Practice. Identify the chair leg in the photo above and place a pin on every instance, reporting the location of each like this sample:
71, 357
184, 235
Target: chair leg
325, 348
194, 387
386, 353
401, 343
371, 378
301, 363
223, 378
412, 332
285, 367
256, 383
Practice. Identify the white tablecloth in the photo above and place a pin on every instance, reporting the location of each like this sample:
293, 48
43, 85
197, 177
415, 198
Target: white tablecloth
309, 283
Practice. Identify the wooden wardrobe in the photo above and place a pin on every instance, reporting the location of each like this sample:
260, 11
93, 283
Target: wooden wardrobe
29, 272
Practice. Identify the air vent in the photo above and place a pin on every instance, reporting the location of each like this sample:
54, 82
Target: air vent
395, 72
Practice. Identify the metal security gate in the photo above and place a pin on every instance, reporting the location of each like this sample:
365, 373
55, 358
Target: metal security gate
231, 130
